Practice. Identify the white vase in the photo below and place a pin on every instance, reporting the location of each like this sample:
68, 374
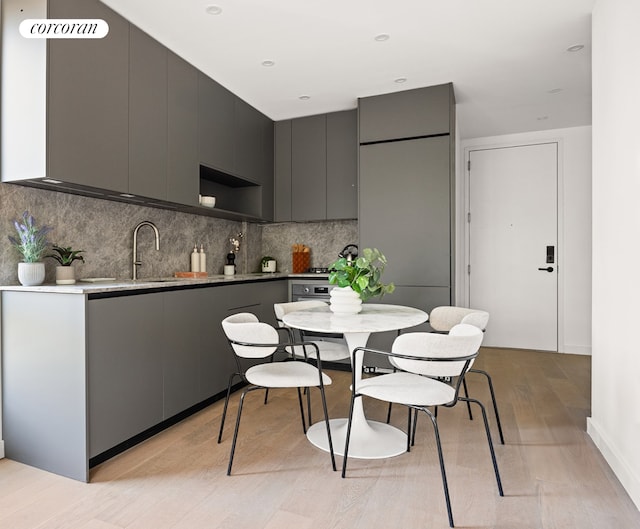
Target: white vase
65, 275
31, 274
343, 300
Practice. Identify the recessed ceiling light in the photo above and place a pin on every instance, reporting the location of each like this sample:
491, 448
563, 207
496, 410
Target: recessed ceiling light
400, 80
555, 90
127, 195
213, 10
576, 47
304, 97
268, 63
381, 37
51, 181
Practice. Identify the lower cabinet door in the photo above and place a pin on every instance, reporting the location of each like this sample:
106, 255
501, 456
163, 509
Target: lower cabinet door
125, 368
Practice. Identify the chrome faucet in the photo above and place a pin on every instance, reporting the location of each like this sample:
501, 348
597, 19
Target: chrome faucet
137, 263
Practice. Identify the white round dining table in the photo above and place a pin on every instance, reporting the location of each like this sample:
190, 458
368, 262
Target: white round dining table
369, 439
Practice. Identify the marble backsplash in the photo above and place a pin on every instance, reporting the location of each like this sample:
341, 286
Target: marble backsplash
104, 230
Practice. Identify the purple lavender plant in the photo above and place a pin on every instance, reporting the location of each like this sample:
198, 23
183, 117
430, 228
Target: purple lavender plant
31, 241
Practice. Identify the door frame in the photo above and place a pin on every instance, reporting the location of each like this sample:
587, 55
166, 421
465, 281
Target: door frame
462, 226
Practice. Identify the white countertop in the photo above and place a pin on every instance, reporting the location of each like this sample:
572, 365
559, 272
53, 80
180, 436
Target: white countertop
81, 287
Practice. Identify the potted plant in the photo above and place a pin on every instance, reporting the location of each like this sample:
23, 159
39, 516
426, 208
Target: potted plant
31, 242
357, 281
268, 264
65, 274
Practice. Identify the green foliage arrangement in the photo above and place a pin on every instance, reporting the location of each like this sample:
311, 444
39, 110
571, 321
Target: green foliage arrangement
362, 275
66, 256
32, 241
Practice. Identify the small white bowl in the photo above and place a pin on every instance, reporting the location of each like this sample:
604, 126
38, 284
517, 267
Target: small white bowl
208, 202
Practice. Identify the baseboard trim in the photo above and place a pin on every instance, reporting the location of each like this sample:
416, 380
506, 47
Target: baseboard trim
616, 461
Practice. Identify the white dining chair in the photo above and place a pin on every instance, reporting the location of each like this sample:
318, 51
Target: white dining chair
423, 360
256, 341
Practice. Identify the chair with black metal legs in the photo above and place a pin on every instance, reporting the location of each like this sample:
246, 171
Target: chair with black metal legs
256, 341
423, 361
441, 320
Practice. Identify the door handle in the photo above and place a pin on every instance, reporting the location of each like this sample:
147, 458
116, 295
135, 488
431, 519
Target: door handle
547, 269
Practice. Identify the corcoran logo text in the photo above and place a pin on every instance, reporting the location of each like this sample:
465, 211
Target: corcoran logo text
62, 28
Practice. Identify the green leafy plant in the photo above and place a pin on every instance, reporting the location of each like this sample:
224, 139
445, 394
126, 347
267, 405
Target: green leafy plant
265, 260
66, 256
32, 241
362, 275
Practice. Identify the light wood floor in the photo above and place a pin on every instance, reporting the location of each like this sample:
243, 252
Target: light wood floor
553, 476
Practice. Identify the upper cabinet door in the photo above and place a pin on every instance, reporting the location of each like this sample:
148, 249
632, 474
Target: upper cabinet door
309, 168
183, 172
282, 170
408, 114
88, 114
248, 145
342, 165
216, 124
147, 116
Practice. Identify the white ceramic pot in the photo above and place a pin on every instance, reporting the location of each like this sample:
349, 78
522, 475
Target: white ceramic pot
343, 300
31, 274
269, 266
65, 275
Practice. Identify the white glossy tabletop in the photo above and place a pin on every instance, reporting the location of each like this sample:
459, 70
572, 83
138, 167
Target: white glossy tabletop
372, 318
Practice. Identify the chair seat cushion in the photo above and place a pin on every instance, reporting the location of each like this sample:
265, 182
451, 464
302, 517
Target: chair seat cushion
285, 375
408, 389
329, 351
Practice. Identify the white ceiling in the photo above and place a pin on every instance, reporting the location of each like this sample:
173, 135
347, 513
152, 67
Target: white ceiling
504, 57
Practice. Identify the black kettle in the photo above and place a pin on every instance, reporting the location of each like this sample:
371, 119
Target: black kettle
349, 252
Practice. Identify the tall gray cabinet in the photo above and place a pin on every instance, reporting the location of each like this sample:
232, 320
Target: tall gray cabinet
406, 165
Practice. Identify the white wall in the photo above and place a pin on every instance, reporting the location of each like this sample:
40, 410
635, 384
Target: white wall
574, 239
615, 410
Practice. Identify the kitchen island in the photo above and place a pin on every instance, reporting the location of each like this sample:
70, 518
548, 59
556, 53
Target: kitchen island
91, 369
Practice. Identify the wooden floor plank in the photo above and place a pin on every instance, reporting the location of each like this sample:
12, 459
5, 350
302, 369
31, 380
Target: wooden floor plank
553, 475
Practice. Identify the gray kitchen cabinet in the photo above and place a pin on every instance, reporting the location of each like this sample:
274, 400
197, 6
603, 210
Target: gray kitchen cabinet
125, 340
309, 168
282, 171
88, 101
182, 346
316, 167
147, 116
407, 114
183, 184
410, 178
248, 152
342, 165
408, 168
268, 179
216, 109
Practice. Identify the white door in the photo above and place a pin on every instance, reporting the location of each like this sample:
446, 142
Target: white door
513, 251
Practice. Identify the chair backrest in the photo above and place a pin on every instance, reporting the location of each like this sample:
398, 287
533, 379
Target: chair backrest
245, 327
462, 341
284, 308
443, 318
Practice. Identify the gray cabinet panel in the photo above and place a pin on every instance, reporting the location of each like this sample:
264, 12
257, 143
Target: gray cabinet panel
125, 368
147, 116
407, 114
44, 382
183, 174
268, 169
248, 144
181, 353
412, 179
215, 126
282, 171
342, 165
309, 168
88, 108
